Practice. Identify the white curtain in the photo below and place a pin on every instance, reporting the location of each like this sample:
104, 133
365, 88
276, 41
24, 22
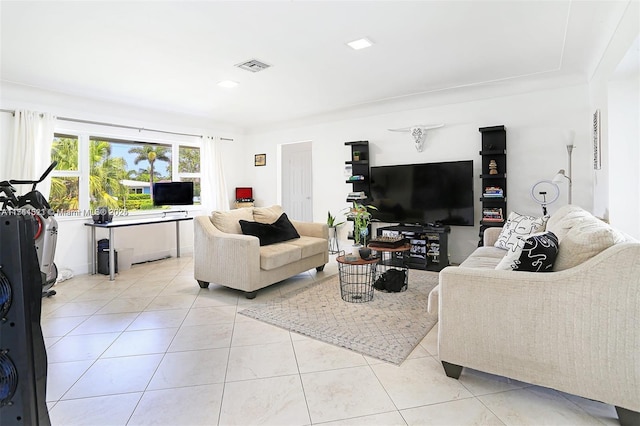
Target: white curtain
214, 188
28, 153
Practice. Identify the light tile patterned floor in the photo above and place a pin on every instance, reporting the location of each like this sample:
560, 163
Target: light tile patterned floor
154, 348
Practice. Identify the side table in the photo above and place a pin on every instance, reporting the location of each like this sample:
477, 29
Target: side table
389, 261
241, 204
356, 279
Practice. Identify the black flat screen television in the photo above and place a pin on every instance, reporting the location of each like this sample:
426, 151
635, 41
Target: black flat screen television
438, 193
172, 193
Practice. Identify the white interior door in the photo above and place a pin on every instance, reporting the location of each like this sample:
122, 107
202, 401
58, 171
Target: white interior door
297, 186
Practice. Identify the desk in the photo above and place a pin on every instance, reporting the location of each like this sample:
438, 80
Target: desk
124, 223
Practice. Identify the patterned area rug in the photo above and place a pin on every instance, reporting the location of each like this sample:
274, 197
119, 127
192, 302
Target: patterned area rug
388, 328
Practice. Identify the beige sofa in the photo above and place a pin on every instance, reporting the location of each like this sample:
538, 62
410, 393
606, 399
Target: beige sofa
224, 256
576, 329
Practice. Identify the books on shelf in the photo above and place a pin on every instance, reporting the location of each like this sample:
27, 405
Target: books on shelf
356, 178
356, 195
492, 214
493, 192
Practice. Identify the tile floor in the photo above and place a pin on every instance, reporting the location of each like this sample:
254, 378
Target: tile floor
153, 348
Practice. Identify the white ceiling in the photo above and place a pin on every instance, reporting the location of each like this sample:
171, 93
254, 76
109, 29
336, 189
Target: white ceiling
170, 55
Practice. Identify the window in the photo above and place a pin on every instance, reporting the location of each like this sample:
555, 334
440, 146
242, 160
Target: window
117, 173
65, 180
189, 169
118, 166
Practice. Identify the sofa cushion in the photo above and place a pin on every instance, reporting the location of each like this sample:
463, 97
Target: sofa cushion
276, 255
519, 225
310, 246
267, 214
583, 241
535, 253
489, 251
229, 221
561, 222
270, 233
481, 262
484, 258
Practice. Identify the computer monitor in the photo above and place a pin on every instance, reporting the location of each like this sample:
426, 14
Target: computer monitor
172, 193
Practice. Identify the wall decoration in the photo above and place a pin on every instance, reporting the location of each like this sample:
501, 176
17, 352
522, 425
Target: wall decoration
260, 160
597, 147
418, 133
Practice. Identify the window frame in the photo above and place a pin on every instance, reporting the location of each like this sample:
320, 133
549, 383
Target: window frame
124, 136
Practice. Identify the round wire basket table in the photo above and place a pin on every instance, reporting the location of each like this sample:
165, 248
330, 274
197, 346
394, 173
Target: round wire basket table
392, 259
356, 278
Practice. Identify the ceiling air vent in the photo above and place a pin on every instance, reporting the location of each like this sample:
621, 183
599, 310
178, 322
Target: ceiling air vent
253, 65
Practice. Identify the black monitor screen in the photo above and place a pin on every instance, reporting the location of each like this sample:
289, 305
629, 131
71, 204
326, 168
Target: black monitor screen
172, 193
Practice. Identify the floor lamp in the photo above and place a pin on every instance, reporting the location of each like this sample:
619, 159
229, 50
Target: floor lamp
561, 173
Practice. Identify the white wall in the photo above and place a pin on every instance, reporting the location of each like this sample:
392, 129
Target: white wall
537, 125
624, 156
626, 32
150, 241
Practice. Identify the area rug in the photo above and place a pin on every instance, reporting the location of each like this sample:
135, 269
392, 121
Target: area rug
388, 327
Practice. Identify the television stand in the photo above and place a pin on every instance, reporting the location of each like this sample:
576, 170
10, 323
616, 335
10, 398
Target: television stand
429, 245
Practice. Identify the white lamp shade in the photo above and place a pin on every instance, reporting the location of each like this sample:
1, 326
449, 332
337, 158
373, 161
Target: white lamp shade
559, 177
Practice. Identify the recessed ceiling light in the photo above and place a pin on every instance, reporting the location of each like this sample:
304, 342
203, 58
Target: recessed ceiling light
360, 44
227, 84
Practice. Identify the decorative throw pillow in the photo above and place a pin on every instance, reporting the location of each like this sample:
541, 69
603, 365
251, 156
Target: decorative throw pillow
585, 240
267, 214
518, 225
228, 221
535, 253
561, 222
270, 233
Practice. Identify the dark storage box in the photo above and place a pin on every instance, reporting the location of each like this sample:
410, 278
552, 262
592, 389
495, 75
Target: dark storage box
103, 257
103, 262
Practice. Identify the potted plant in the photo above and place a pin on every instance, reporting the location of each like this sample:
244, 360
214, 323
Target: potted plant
361, 220
331, 220
356, 155
333, 233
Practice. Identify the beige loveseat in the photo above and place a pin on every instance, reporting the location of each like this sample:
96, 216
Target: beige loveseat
224, 256
576, 329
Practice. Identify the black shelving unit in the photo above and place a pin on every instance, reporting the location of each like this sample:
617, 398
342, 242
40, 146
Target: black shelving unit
494, 185
360, 168
429, 246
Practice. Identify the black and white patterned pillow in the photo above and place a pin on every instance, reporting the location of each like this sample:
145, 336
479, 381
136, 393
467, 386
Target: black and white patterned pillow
518, 226
535, 253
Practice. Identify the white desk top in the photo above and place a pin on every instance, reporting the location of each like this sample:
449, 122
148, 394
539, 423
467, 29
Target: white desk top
136, 222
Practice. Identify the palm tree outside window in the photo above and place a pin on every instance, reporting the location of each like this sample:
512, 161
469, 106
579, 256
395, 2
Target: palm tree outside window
151, 154
65, 183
